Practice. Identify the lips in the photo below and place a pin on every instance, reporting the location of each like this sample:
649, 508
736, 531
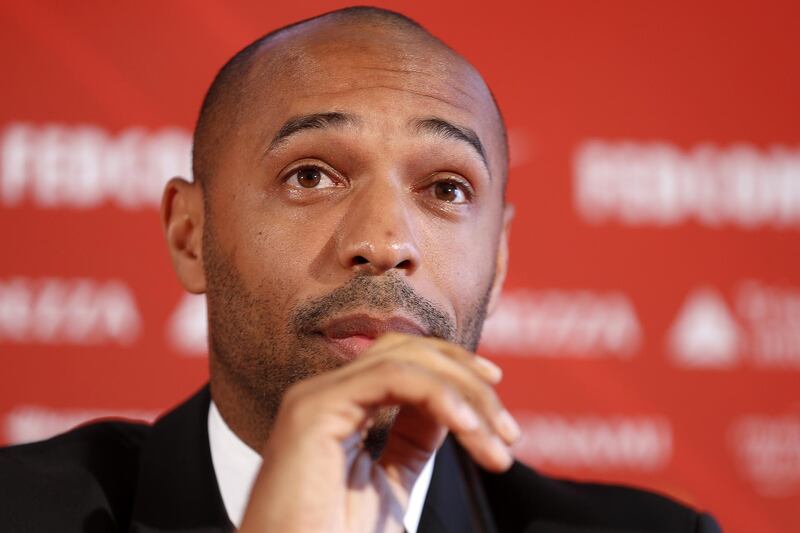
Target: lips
352, 334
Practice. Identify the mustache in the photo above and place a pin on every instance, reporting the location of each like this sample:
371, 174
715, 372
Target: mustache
386, 294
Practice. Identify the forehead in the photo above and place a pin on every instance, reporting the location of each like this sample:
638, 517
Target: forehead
380, 72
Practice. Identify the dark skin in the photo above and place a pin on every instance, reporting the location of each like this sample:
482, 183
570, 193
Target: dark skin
375, 220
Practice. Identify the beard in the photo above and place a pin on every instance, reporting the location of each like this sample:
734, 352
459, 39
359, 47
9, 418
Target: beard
260, 352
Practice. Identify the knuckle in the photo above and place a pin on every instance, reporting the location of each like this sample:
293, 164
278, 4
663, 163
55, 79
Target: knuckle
395, 367
433, 353
487, 395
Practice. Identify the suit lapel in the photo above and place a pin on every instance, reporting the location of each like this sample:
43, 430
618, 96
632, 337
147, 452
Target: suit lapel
447, 506
177, 489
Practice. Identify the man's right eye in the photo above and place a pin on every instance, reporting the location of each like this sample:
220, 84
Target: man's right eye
310, 178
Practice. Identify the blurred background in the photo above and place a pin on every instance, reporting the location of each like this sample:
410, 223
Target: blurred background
650, 327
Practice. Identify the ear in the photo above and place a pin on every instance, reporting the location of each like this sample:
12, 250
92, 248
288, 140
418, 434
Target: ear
501, 266
182, 218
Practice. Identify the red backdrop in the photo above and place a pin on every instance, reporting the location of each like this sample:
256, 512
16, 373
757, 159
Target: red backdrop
650, 329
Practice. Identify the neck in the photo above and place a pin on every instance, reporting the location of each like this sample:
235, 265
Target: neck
242, 412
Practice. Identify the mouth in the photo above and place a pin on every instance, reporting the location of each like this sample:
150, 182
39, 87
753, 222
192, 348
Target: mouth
352, 334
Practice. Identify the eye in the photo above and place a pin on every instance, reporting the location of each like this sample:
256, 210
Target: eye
310, 178
451, 191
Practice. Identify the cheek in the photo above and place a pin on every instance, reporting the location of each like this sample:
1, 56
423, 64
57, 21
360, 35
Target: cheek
461, 263
275, 254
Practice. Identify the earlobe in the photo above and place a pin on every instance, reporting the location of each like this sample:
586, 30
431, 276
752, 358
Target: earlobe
501, 266
182, 219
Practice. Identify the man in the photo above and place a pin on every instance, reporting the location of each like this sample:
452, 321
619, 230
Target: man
348, 224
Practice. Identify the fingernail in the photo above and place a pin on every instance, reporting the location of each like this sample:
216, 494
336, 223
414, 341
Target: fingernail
508, 426
494, 371
467, 417
500, 452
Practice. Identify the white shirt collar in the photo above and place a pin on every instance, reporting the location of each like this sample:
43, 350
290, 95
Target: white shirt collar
236, 466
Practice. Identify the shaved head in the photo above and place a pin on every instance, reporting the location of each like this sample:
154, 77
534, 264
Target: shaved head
280, 52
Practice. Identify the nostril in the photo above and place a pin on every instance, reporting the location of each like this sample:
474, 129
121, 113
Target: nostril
360, 260
405, 264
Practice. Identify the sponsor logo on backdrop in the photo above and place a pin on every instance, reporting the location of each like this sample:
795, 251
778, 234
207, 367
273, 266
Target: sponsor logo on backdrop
187, 329
32, 423
761, 328
67, 311
661, 184
55, 165
705, 333
767, 451
642, 443
772, 315
556, 323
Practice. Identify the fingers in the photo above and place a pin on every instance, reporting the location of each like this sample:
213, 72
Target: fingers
471, 373
480, 365
392, 381
450, 384
444, 384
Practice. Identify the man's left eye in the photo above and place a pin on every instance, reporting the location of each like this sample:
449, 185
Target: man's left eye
450, 191
310, 178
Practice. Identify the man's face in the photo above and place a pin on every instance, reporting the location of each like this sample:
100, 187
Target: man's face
349, 199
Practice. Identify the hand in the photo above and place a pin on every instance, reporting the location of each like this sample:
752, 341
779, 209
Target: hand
317, 476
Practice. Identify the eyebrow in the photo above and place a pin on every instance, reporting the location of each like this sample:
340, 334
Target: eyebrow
448, 130
433, 125
314, 121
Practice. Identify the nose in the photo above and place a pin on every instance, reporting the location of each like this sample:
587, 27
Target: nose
377, 233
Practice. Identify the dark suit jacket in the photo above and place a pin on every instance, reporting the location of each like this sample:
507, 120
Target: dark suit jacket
121, 476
